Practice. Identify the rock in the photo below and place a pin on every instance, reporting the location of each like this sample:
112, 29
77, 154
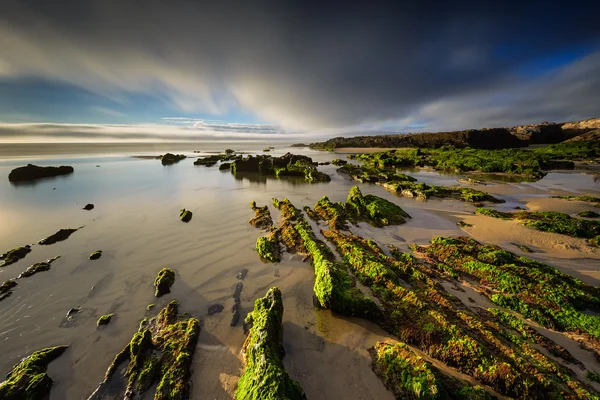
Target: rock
169, 158
59, 236
14, 255
215, 308
164, 281
88, 207
235, 318
28, 379
338, 162
224, 166
96, 255
34, 269
6, 288
185, 215
242, 274
72, 311
104, 319
32, 172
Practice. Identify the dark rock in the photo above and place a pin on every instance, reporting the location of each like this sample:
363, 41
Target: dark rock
96, 255
31, 172
59, 236
169, 158
72, 311
242, 274
215, 308
88, 207
238, 292
14, 255
185, 215
235, 318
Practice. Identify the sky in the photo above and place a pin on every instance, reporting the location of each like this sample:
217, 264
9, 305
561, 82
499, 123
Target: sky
110, 70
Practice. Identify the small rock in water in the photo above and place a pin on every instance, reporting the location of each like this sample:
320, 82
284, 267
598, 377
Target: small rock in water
398, 238
242, 274
73, 310
88, 207
235, 318
238, 292
185, 215
96, 255
215, 308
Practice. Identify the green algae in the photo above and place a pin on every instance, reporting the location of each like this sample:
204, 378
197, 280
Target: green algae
185, 215
592, 376
339, 162
160, 353
587, 199
589, 214
28, 380
262, 217
95, 255
404, 373
59, 236
288, 165
6, 288
150, 307
420, 312
224, 166
268, 248
104, 319
14, 255
463, 224
164, 281
34, 269
548, 221
264, 377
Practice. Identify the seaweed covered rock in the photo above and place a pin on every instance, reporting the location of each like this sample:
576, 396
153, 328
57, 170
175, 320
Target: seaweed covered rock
548, 221
6, 288
587, 199
169, 158
28, 379
339, 162
224, 166
589, 214
264, 377
32, 172
262, 217
286, 165
95, 255
104, 319
59, 236
14, 255
160, 353
34, 269
404, 373
185, 215
268, 247
164, 281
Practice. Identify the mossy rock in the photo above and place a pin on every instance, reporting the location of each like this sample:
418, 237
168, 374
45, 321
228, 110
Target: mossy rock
59, 236
104, 319
185, 215
262, 217
28, 380
164, 281
14, 255
339, 162
224, 166
589, 214
169, 158
34, 269
95, 255
6, 288
264, 377
268, 248
159, 355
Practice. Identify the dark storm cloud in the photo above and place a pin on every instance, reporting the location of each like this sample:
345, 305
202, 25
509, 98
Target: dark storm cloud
307, 64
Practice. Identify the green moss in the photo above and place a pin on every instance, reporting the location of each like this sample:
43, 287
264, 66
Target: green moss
589, 214
339, 162
595, 241
34, 269
224, 166
588, 199
185, 215
549, 221
59, 236
150, 306
28, 380
262, 217
95, 255
268, 248
6, 288
286, 165
523, 248
164, 281
592, 376
160, 353
264, 377
14, 255
404, 373
105, 319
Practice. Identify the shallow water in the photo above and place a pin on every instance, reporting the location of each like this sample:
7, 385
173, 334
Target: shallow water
135, 222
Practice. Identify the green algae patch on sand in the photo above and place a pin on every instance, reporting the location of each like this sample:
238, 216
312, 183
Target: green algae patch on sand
160, 353
587, 199
404, 373
104, 319
28, 380
268, 248
185, 215
262, 217
14, 255
164, 281
549, 221
95, 255
264, 376
59, 236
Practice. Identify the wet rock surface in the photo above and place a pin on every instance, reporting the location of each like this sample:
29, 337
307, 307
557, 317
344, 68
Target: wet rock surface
32, 172
59, 236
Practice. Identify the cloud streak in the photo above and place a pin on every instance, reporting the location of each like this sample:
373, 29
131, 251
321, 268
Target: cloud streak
313, 67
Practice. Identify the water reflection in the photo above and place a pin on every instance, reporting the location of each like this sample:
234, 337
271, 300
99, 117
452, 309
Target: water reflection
35, 182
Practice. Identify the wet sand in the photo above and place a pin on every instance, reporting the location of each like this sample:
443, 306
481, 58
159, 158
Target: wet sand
135, 223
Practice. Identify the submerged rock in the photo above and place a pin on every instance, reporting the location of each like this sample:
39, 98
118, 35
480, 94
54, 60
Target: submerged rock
32, 172
159, 355
34, 269
104, 319
14, 255
264, 376
169, 158
164, 281
225, 166
215, 309
59, 236
185, 215
95, 255
242, 274
339, 162
73, 310
6, 288
28, 379
88, 207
